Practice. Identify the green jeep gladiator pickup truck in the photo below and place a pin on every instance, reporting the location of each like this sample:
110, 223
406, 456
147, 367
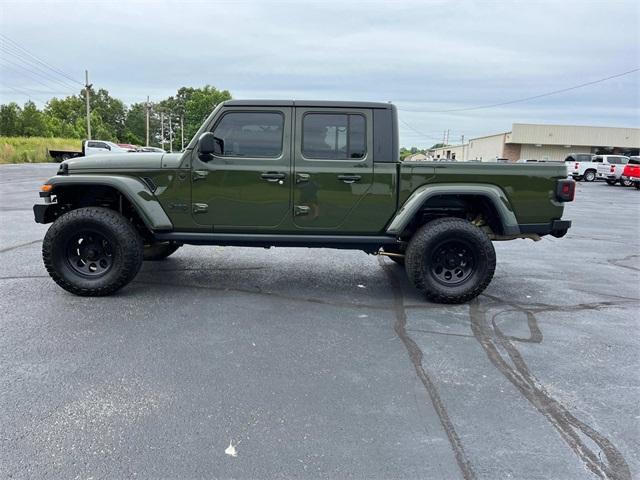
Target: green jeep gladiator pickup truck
295, 174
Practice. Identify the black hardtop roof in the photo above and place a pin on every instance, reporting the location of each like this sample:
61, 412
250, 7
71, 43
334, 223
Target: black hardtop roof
306, 103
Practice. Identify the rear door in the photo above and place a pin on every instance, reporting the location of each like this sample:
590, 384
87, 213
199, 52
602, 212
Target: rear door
246, 186
333, 165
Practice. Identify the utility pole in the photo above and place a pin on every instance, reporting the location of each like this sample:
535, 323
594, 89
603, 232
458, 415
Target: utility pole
447, 137
148, 105
182, 132
170, 135
462, 139
444, 138
87, 86
162, 130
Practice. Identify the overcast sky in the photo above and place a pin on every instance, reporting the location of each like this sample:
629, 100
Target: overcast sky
423, 56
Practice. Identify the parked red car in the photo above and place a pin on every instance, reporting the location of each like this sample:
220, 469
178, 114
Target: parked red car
631, 172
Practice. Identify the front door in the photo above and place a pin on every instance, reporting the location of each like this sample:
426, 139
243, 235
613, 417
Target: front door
333, 166
246, 185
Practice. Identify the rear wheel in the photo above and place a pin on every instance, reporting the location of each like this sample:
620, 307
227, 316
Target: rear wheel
589, 176
611, 182
450, 260
160, 250
626, 182
92, 251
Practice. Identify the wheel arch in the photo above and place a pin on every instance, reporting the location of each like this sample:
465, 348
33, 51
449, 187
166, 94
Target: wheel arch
459, 197
86, 190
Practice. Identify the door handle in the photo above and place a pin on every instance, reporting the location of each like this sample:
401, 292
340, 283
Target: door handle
273, 176
302, 177
349, 178
199, 175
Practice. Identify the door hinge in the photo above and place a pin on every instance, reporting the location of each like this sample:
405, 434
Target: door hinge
199, 175
301, 210
200, 208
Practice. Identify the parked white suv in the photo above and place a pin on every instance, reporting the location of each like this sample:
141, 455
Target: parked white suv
610, 167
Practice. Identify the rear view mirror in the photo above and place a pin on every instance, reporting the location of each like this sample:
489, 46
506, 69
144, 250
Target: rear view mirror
208, 145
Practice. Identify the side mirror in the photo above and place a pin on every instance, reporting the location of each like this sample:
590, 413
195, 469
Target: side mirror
107, 147
209, 144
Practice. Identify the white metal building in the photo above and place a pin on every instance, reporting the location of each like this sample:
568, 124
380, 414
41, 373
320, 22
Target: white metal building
544, 142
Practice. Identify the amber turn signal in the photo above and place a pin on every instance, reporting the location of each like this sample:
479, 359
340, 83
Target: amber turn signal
46, 188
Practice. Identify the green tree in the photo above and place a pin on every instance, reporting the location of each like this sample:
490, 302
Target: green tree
32, 121
10, 120
135, 125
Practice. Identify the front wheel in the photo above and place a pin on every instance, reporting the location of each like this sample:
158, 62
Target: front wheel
450, 260
92, 251
589, 176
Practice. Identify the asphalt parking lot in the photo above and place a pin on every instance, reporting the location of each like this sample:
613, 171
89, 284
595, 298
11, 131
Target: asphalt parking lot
325, 363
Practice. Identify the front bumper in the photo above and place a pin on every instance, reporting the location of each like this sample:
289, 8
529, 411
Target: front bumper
46, 213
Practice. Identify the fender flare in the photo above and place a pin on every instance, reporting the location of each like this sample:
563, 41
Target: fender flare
420, 196
133, 189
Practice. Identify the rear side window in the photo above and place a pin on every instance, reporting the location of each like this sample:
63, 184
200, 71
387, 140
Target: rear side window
597, 159
250, 134
617, 160
329, 136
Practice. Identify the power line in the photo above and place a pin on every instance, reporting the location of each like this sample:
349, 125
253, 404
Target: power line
555, 92
26, 94
30, 74
422, 134
16, 45
33, 67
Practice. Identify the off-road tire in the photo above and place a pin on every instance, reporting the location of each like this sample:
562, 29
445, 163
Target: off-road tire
433, 236
589, 176
160, 250
125, 247
611, 182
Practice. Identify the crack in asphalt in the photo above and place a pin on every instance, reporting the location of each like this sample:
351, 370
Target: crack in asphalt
617, 262
2, 250
416, 355
493, 340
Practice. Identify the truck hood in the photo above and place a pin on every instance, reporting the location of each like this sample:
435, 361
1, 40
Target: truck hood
116, 161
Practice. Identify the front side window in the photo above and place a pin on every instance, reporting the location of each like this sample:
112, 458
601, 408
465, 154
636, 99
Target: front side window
329, 136
250, 134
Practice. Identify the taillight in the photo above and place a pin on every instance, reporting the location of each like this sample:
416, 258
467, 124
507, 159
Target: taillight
566, 190
612, 169
575, 167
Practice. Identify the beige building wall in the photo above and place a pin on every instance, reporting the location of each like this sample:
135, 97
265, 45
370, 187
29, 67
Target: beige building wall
486, 148
549, 153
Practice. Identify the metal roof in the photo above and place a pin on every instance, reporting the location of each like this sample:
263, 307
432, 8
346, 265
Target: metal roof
306, 103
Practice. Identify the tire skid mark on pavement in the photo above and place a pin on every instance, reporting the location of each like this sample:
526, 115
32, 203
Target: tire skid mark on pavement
416, 355
572, 430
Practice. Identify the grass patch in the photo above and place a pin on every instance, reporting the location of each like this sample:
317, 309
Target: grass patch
34, 149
